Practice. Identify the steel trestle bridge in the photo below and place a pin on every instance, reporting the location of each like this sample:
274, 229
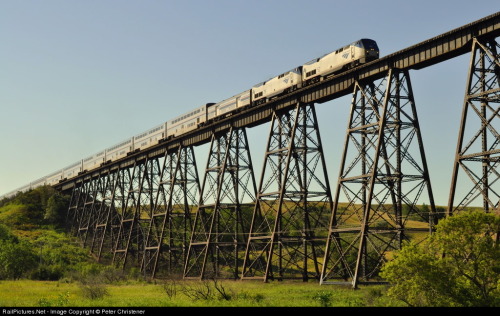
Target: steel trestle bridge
150, 209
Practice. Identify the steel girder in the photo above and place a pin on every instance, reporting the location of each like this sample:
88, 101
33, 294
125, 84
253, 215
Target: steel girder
383, 176
170, 226
478, 151
290, 221
223, 216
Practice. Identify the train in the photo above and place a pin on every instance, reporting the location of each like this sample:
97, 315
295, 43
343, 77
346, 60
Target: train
316, 70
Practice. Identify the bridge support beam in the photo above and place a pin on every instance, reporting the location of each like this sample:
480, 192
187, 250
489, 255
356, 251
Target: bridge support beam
290, 220
93, 212
477, 155
86, 204
75, 207
135, 214
170, 226
223, 216
107, 220
382, 178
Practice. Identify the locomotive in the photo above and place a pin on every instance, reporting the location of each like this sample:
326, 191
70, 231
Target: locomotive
316, 70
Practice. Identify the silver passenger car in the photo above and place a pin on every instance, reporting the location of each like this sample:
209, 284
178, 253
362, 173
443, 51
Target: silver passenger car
187, 122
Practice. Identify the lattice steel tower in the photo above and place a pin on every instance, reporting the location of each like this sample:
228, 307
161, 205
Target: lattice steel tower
382, 178
142, 180
170, 226
290, 220
477, 156
224, 212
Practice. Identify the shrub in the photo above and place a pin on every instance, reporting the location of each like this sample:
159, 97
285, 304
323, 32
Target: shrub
94, 291
208, 290
170, 287
57, 205
47, 273
324, 298
93, 288
459, 265
16, 259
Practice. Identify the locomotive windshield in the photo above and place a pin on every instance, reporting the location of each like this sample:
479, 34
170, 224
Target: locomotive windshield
369, 44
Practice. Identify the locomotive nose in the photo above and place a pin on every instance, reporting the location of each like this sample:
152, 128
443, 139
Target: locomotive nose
372, 52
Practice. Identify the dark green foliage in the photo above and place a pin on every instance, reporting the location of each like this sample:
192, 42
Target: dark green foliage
47, 272
35, 203
6, 234
30, 210
58, 255
16, 259
33, 248
57, 206
458, 266
324, 298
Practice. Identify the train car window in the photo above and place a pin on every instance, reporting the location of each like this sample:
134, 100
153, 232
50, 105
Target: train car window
310, 73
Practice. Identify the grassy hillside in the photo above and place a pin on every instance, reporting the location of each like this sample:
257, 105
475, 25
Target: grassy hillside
33, 242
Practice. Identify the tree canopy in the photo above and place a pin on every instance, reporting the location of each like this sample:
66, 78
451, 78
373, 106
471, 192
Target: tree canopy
459, 265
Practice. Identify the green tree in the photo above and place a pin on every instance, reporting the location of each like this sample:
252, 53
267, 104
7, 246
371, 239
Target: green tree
459, 265
16, 259
57, 205
6, 234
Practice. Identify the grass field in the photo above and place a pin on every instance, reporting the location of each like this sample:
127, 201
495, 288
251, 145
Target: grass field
26, 293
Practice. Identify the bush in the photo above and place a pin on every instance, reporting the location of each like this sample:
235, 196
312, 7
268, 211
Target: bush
324, 298
47, 273
93, 291
57, 206
37, 252
6, 234
171, 288
16, 259
208, 290
458, 266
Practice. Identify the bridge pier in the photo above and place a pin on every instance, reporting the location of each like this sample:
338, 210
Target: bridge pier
170, 226
74, 209
477, 154
140, 184
223, 215
86, 204
382, 178
290, 221
106, 216
93, 212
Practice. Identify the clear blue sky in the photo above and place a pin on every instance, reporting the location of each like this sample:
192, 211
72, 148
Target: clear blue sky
80, 76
